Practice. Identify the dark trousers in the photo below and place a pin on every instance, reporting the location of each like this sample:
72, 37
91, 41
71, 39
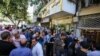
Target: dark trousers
59, 53
62, 52
49, 49
65, 52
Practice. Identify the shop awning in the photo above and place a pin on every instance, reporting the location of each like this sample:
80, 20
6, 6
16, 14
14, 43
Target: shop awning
45, 20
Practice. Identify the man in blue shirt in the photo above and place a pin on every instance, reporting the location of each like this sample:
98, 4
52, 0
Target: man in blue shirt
96, 52
21, 51
27, 34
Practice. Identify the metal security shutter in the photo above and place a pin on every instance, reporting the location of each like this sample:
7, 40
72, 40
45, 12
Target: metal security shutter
91, 21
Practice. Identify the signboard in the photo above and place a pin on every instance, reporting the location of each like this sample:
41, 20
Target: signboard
45, 20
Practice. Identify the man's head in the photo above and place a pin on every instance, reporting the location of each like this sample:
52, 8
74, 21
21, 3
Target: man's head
23, 42
23, 31
37, 34
49, 32
34, 40
85, 45
6, 35
63, 36
15, 33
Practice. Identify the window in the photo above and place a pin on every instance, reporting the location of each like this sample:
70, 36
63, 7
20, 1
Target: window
86, 3
74, 1
90, 21
82, 4
94, 1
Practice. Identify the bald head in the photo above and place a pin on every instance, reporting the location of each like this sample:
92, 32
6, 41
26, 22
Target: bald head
23, 42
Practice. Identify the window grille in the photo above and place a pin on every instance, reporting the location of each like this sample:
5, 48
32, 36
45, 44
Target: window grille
90, 21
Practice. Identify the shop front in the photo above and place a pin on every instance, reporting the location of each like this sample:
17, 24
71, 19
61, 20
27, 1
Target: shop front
45, 22
60, 13
90, 26
63, 22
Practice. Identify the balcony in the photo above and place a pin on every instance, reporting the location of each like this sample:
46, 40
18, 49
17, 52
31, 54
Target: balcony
56, 7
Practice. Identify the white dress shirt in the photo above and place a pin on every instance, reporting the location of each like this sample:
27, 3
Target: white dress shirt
37, 50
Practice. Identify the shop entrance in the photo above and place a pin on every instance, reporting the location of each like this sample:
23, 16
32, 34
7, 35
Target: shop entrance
93, 35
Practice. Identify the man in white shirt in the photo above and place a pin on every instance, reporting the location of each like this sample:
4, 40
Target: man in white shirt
37, 48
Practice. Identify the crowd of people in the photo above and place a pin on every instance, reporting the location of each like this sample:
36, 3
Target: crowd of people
40, 41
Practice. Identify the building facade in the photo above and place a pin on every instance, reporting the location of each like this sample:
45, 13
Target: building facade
83, 16
37, 6
88, 23
58, 12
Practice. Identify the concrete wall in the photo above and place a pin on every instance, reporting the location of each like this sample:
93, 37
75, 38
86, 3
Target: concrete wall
68, 6
57, 6
55, 9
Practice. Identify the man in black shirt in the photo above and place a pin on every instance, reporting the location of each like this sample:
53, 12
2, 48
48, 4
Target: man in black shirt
83, 49
5, 45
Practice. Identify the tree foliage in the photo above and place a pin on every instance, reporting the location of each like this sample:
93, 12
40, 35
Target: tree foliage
35, 2
15, 10
40, 4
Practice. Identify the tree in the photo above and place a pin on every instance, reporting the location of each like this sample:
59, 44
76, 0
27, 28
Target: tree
36, 2
40, 3
15, 10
